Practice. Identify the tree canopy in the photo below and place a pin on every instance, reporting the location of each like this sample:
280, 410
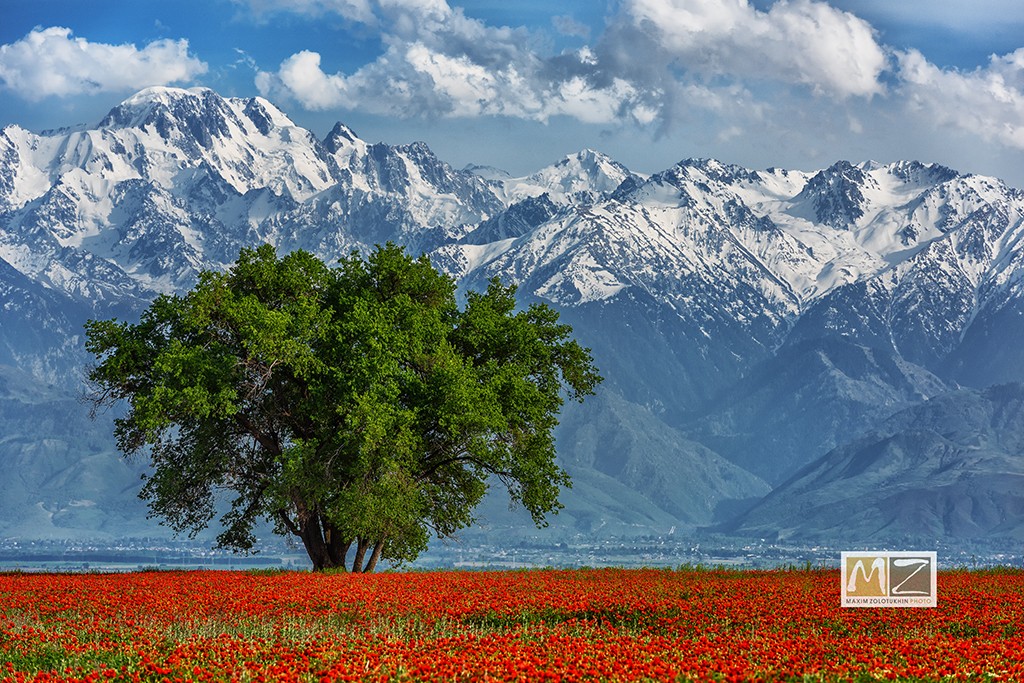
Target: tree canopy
355, 406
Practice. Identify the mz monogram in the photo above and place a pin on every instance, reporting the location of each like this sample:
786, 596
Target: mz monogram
889, 579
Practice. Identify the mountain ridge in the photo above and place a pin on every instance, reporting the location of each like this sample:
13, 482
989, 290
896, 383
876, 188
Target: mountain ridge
748, 321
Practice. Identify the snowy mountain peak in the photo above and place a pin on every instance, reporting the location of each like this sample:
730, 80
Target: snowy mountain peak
836, 194
842, 193
586, 170
164, 134
175, 180
166, 110
715, 171
341, 137
196, 116
583, 177
914, 172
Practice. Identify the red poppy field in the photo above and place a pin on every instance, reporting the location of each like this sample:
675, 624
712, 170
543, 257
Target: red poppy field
538, 625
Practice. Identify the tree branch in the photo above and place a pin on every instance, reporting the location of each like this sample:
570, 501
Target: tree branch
282, 515
463, 458
267, 441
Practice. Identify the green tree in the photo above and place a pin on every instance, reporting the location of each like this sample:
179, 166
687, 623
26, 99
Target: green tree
357, 407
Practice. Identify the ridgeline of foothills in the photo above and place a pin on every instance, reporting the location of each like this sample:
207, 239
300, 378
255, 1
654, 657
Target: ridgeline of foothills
825, 356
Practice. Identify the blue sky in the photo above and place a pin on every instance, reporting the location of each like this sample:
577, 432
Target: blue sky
519, 83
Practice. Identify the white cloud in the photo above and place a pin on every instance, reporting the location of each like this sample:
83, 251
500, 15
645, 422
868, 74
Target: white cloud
578, 99
797, 42
301, 77
472, 89
50, 62
439, 62
722, 69
414, 80
988, 101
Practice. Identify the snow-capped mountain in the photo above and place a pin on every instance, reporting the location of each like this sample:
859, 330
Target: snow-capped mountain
728, 261
582, 178
755, 319
964, 265
795, 235
173, 181
578, 180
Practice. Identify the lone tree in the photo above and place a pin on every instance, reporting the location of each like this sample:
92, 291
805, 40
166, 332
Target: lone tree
356, 407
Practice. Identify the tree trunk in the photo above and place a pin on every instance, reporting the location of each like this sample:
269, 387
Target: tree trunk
325, 546
313, 540
306, 526
337, 545
371, 564
357, 563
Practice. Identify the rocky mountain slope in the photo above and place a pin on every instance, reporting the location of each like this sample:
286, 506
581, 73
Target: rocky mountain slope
747, 322
946, 468
62, 476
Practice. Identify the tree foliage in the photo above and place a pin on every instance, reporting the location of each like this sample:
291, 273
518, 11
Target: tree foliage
358, 407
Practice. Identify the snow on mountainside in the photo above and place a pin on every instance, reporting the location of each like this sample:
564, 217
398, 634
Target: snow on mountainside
713, 241
706, 268
578, 180
164, 135
581, 178
172, 181
175, 180
736, 308
249, 143
925, 303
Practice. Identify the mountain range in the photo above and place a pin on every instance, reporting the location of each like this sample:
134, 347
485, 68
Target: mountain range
801, 355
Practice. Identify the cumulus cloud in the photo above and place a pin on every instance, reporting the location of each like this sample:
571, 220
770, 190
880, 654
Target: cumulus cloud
412, 79
301, 77
439, 62
663, 64
799, 42
987, 101
51, 62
